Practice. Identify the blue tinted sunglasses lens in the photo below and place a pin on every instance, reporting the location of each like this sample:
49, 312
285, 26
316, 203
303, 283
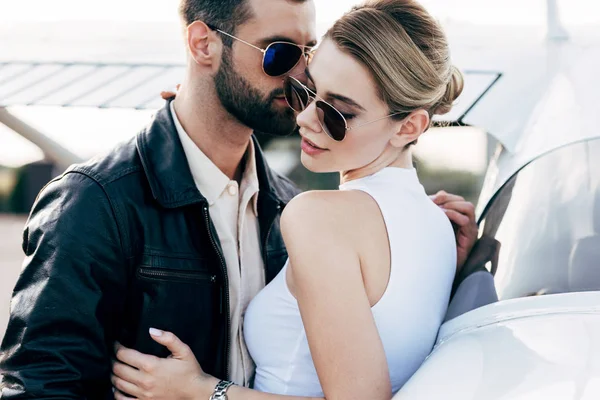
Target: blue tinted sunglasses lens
281, 58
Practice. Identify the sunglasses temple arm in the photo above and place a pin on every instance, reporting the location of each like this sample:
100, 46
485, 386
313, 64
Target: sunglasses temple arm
376, 120
240, 40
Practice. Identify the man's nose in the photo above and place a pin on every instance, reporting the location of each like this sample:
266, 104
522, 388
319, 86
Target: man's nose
298, 71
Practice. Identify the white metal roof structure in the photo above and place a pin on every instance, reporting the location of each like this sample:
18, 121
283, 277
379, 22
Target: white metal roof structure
81, 84
132, 86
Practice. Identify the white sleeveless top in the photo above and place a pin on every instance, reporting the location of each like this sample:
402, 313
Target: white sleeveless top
408, 316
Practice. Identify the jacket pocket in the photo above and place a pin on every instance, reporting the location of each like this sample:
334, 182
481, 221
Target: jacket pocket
180, 294
169, 275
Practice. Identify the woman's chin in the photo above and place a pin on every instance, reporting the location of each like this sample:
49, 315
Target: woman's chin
313, 165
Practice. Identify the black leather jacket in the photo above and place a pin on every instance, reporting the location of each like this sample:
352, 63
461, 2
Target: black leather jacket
116, 246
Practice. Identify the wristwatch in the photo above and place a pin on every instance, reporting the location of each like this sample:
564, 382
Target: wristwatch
221, 390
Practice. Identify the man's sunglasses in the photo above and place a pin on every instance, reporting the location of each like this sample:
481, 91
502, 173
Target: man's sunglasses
299, 97
279, 58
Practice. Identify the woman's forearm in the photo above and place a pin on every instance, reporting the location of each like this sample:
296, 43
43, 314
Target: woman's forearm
241, 393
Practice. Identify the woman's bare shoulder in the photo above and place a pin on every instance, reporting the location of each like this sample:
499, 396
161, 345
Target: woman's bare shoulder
319, 230
326, 211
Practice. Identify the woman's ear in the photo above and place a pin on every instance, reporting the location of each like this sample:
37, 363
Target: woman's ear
203, 44
412, 127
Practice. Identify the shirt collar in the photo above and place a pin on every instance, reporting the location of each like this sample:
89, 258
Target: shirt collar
250, 177
209, 179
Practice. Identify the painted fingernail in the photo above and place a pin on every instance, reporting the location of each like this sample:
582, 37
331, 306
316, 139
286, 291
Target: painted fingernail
155, 332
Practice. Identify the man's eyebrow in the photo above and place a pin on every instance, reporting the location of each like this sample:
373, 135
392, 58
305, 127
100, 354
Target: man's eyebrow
278, 38
336, 96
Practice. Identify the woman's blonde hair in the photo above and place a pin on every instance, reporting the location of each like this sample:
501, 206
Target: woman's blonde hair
407, 52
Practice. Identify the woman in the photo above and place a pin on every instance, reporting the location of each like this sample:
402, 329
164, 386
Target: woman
357, 308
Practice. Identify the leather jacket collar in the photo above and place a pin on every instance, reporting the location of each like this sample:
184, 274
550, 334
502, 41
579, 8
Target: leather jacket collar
168, 173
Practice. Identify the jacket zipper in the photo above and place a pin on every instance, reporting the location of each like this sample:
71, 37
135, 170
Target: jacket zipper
226, 284
172, 274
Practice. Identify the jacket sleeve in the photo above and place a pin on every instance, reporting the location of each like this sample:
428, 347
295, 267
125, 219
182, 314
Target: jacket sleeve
67, 304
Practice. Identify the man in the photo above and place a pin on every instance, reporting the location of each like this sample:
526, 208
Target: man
177, 228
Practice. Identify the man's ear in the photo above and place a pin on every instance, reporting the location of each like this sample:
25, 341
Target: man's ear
412, 127
204, 45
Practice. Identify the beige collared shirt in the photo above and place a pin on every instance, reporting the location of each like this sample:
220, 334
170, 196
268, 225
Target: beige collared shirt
233, 210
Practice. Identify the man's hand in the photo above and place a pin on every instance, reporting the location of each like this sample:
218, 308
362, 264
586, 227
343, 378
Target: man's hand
462, 216
167, 94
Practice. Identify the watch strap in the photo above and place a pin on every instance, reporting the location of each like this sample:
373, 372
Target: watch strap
220, 392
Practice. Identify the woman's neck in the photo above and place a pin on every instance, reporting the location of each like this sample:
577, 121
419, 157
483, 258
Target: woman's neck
387, 159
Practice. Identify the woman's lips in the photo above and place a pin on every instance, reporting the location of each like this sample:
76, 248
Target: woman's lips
310, 148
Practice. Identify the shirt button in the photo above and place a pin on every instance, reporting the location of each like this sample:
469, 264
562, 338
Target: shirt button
232, 189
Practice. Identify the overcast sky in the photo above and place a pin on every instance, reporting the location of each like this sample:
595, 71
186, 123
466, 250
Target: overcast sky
478, 11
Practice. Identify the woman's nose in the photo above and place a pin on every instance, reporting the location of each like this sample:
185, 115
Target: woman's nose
308, 119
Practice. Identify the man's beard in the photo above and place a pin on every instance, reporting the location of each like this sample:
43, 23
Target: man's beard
247, 105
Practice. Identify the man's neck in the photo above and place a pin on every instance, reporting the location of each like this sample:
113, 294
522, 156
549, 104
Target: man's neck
222, 138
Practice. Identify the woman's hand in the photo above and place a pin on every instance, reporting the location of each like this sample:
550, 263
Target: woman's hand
167, 94
462, 216
143, 376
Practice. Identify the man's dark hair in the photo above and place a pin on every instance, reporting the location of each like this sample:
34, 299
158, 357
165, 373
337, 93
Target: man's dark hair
225, 15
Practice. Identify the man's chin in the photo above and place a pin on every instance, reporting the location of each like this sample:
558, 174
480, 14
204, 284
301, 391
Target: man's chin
280, 126
280, 132
281, 123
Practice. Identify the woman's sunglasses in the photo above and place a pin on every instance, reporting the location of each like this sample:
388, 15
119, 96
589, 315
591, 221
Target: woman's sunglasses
279, 58
299, 97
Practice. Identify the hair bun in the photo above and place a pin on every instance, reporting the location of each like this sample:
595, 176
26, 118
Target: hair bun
454, 89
